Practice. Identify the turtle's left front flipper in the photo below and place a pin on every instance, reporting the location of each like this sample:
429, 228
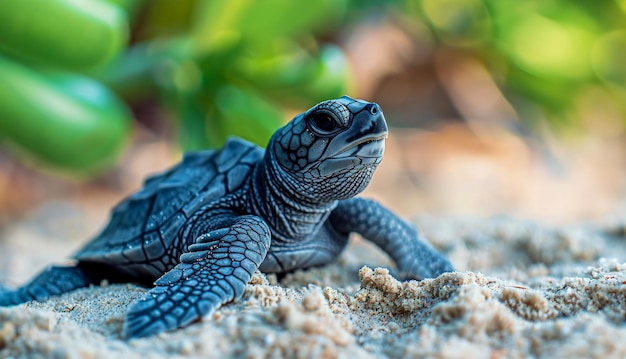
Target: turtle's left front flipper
54, 280
415, 258
215, 270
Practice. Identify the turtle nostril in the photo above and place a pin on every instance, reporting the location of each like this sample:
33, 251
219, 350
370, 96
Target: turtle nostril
373, 108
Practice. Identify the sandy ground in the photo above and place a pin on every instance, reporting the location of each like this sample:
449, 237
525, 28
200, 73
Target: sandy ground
534, 291
524, 288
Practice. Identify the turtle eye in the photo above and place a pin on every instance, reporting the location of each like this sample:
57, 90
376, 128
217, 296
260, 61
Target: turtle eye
324, 121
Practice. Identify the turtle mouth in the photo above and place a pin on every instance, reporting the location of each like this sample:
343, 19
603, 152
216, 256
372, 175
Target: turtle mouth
366, 152
376, 142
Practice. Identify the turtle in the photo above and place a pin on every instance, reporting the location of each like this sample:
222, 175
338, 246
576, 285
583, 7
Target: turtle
198, 231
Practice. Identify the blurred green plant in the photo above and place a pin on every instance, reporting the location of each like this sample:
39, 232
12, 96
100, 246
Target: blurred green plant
231, 67
220, 67
547, 55
72, 69
49, 108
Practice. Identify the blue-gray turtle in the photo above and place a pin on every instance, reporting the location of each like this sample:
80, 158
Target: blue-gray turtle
199, 230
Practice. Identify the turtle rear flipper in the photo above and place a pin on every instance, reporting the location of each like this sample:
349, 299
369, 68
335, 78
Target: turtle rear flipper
55, 280
214, 271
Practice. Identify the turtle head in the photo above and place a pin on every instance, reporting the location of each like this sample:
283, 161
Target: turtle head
331, 150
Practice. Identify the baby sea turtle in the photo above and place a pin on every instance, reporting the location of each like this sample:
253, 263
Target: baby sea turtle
199, 230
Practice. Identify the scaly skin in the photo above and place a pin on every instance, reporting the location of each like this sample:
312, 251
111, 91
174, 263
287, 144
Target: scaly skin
201, 229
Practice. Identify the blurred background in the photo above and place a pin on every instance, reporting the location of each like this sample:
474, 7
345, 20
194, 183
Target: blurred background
495, 107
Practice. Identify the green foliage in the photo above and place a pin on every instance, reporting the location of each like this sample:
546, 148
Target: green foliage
71, 68
546, 54
220, 67
50, 110
60, 117
231, 67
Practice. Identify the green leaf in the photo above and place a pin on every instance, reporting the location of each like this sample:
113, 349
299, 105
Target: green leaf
247, 114
71, 34
66, 120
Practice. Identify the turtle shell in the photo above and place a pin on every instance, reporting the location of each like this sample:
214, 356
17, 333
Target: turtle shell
138, 238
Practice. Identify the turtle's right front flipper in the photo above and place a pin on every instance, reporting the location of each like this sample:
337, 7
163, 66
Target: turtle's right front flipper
414, 256
215, 270
55, 280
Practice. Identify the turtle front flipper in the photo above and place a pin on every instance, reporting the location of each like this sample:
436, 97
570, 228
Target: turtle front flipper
415, 258
215, 270
55, 280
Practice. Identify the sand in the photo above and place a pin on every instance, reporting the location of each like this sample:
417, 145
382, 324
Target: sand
523, 289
